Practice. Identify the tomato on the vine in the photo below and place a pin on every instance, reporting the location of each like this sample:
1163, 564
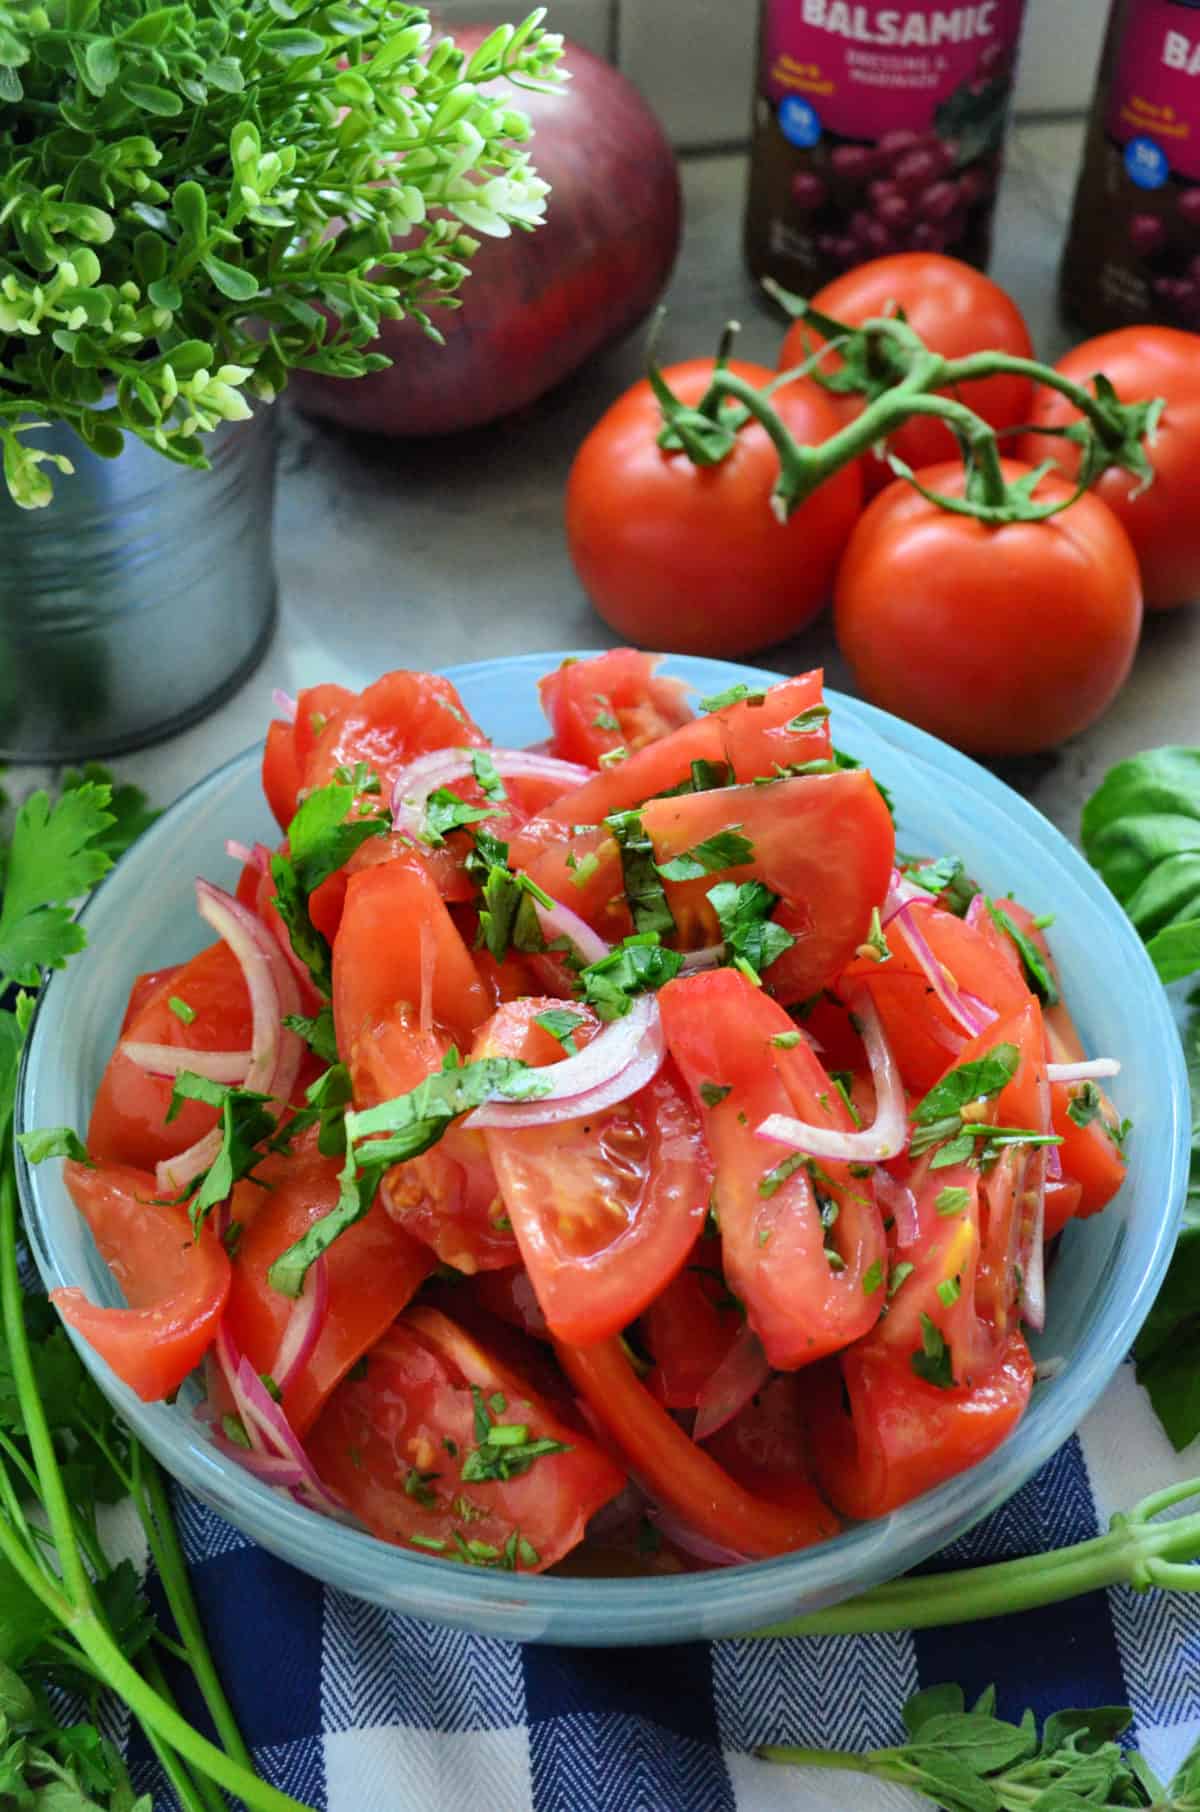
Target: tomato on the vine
691, 557
1162, 519
1001, 639
957, 311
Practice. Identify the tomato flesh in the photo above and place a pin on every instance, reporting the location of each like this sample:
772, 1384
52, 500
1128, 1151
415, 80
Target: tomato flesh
614, 701
174, 1284
394, 1444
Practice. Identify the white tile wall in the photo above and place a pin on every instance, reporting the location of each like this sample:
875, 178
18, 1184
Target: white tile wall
693, 59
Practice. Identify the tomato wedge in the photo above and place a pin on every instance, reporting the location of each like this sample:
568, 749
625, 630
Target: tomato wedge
754, 737
373, 1270
614, 701
605, 1210
397, 945
901, 1435
404, 1445
389, 724
175, 1285
765, 1448
689, 1328
680, 1475
129, 1115
804, 1252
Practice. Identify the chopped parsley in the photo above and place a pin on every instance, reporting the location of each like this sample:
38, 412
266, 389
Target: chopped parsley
727, 849
705, 777
951, 1200
949, 1291
606, 717
787, 1041
507, 899
419, 1486
362, 778
486, 778
843, 1081
873, 1278
446, 812
317, 1033
322, 837
938, 1115
181, 1010
946, 878
504, 1450
245, 1122
899, 1274
713, 1093
807, 720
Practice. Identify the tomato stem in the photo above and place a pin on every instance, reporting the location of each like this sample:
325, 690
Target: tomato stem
1138, 1550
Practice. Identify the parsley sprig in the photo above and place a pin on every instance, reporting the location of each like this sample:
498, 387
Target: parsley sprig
322, 837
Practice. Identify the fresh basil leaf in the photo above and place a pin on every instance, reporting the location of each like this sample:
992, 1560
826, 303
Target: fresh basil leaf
1034, 964
743, 910
737, 694
638, 965
975, 1081
446, 812
1141, 830
727, 849
932, 1363
322, 837
643, 888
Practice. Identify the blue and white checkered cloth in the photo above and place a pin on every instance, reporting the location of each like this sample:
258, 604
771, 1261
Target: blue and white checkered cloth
355, 1709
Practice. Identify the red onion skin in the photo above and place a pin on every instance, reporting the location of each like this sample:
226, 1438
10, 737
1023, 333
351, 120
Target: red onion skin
537, 304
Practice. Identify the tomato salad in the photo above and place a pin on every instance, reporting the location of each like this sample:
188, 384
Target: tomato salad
611, 1156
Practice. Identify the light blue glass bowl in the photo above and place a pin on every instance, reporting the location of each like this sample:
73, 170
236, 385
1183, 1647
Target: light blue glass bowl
1100, 1290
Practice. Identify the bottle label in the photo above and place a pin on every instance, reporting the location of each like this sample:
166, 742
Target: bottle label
1154, 106
861, 70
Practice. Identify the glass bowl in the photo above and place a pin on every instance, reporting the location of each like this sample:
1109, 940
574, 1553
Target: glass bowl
1100, 1290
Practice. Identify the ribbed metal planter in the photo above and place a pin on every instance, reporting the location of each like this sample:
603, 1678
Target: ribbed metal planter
139, 598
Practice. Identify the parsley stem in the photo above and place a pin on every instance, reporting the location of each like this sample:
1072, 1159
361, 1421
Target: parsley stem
150, 1495
1137, 1550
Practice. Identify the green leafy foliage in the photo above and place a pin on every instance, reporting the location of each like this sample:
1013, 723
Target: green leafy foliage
728, 849
969, 1760
753, 941
1167, 1351
322, 837
638, 965
643, 889
200, 198
53, 858
246, 1122
507, 899
1141, 830
947, 878
938, 1115
737, 694
1034, 964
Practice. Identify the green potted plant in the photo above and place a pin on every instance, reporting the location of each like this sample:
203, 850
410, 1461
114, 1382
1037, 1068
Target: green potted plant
195, 200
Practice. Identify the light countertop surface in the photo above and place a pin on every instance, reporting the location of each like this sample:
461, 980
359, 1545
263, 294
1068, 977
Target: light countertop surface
425, 554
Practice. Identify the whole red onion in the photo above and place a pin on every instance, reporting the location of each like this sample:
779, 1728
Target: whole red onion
538, 304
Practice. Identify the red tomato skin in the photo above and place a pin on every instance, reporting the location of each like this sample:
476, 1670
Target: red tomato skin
580, 697
143, 990
686, 1333
1062, 1204
765, 1447
391, 913
1162, 519
749, 737
282, 775
373, 1270
128, 1124
903, 1435
397, 1418
662, 545
679, 1474
389, 724
606, 1211
175, 1285
719, 1029
957, 311
1003, 640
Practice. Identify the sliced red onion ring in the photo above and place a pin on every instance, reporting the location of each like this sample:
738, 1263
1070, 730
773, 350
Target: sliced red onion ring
271, 1468
241, 852
898, 1201
173, 1059
304, 1325
559, 921
973, 1020
1054, 1167
285, 704
261, 1409
442, 767
707, 958
1033, 1256
621, 1059
885, 1138
1096, 1069
741, 1375
902, 893
699, 1546
273, 990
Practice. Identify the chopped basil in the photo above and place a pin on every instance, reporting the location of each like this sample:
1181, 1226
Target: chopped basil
713, 1093
638, 965
181, 1009
951, 1200
738, 694
486, 777
504, 1450
643, 888
949, 1291
787, 1041
753, 941
873, 1278
317, 1032
932, 1363
899, 1273
705, 777
322, 837
807, 720
419, 1486
772, 1180
562, 1024
724, 850
611, 757
446, 812
362, 778
843, 1081
1037, 970
606, 717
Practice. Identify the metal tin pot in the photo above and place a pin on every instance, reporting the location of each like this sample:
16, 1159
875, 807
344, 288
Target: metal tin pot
139, 598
